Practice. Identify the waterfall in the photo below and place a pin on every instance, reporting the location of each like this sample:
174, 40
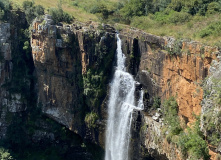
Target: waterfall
120, 107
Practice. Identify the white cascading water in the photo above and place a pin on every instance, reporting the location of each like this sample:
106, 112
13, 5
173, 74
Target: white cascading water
120, 108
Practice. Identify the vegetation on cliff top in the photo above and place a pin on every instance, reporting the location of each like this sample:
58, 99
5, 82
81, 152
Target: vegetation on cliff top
195, 19
198, 19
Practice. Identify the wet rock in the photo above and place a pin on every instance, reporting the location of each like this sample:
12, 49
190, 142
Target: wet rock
14, 104
42, 135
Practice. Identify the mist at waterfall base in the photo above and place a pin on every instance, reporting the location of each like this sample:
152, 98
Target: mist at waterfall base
120, 108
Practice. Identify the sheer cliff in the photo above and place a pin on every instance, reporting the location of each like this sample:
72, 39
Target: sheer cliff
73, 68
169, 68
60, 83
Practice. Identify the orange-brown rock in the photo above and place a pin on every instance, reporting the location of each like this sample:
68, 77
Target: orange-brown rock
178, 75
181, 78
163, 73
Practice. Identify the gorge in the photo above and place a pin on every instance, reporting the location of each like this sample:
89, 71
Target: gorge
66, 82
120, 107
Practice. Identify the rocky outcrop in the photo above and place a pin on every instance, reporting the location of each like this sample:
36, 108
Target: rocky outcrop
5, 74
210, 117
167, 74
11, 100
70, 61
167, 67
73, 66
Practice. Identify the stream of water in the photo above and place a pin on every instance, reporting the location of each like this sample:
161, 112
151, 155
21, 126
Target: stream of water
120, 107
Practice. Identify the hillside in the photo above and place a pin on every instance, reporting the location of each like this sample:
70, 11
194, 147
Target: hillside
193, 19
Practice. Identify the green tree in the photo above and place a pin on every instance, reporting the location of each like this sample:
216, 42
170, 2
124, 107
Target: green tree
159, 5
170, 112
39, 10
91, 119
27, 4
5, 155
32, 11
58, 15
102, 9
136, 8
213, 7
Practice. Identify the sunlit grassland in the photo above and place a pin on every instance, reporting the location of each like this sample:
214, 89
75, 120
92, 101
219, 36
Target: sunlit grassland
188, 30
79, 13
191, 29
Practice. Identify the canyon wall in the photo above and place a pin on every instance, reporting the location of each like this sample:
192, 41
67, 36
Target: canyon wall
68, 74
73, 68
11, 100
168, 67
49, 89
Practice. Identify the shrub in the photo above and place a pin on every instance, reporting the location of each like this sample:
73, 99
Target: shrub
214, 138
178, 17
191, 7
58, 15
159, 5
192, 144
156, 102
143, 22
214, 29
211, 118
135, 8
32, 11
91, 119
190, 141
170, 113
176, 47
213, 7
39, 10
27, 4
5, 7
102, 9
170, 16
161, 17
5, 155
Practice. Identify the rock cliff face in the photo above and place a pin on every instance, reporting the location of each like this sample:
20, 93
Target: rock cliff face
5, 74
71, 62
167, 74
10, 99
168, 67
53, 81
210, 117
73, 67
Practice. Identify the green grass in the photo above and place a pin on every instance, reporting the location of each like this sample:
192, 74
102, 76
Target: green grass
79, 13
166, 23
80, 9
191, 29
